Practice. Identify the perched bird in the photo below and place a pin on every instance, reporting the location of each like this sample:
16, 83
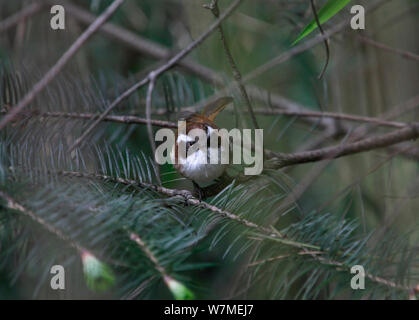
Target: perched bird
193, 166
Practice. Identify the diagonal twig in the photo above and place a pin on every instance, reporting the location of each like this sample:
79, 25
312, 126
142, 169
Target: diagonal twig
185, 194
213, 6
23, 14
403, 53
281, 160
12, 204
156, 73
326, 41
55, 70
270, 233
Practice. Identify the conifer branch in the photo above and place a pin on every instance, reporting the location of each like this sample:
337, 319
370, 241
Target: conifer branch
136, 238
186, 196
270, 233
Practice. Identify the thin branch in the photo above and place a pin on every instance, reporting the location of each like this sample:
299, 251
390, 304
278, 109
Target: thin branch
213, 6
131, 119
277, 100
340, 116
23, 14
185, 194
140, 44
155, 50
166, 277
326, 41
380, 280
307, 45
55, 70
112, 118
284, 256
12, 204
281, 160
379, 45
156, 73
357, 181
270, 233
102, 116
149, 100
387, 140
136, 238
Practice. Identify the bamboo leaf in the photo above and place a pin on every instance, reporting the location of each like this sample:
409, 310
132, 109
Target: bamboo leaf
330, 9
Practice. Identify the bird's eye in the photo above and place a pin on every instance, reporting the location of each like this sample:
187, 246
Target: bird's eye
191, 143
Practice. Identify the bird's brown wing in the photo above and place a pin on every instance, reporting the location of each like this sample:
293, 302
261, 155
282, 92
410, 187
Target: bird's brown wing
212, 109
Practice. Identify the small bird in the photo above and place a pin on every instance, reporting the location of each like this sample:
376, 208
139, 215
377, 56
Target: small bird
194, 166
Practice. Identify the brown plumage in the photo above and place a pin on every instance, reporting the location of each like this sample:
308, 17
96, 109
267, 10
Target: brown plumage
205, 121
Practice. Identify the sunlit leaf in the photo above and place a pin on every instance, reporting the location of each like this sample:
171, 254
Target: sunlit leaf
331, 8
178, 289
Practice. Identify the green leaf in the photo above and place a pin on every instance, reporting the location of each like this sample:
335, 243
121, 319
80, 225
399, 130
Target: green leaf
331, 8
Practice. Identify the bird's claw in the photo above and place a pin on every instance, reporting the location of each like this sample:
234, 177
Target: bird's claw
198, 191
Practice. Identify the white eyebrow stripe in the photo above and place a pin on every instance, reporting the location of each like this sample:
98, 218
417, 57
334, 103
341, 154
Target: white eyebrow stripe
184, 138
210, 130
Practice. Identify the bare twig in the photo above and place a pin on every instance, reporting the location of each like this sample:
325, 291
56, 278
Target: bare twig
306, 45
284, 256
277, 100
326, 41
156, 73
131, 119
186, 195
380, 280
379, 45
142, 45
55, 70
271, 233
149, 100
340, 116
282, 160
112, 118
213, 6
136, 238
23, 14
14, 205
155, 50
356, 181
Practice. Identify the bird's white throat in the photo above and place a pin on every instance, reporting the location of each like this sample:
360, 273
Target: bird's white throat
196, 165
